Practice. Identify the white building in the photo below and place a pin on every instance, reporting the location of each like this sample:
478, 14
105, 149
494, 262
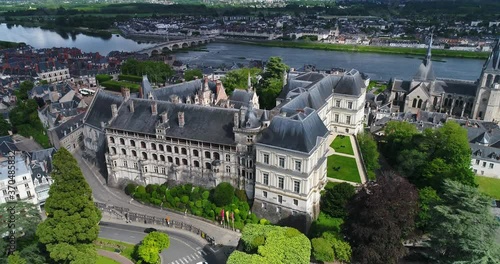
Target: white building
54, 74
23, 188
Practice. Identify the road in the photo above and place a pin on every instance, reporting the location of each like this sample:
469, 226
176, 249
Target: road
183, 248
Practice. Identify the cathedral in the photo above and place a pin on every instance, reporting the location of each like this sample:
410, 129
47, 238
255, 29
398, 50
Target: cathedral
458, 98
194, 132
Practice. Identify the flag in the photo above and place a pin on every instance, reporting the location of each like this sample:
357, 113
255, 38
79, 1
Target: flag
227, 215
222, 214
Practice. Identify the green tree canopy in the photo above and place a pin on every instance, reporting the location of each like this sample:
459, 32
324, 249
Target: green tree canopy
152, 245
238, 79
190, 75
156, 71
380, 217
368, 148
334, 200
24, 88
5, 127
272, 82
72, 218
223, 194
462, 228
427, 199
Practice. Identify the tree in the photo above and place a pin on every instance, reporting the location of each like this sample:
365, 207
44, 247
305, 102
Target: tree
322, 250
272, 82
223, 194
27, 218
398, 136
238, 79
156, 71
462, 228
16, 259
152, 245
72, 218
380, 217
5, 127
334, 200
427, 199
24, 88
341, 249
368, 148
190, 75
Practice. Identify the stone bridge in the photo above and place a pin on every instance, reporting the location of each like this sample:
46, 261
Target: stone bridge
176, 44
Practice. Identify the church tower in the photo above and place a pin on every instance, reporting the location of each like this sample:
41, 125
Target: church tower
425, 71
487, 103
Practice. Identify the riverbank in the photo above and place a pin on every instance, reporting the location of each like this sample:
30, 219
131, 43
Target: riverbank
362, 48
8, 44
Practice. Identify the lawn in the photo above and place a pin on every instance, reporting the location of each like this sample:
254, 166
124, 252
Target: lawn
342, 144
105, 260
112, 245
490, 186
325, 223
343, 168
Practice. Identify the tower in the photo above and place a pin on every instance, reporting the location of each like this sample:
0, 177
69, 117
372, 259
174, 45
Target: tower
425, 71
487, 103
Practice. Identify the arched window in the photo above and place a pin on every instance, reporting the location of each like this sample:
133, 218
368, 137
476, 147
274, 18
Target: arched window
176, 149
132, 143
208, 166
155, 157
228, 157
144, 155
196, 153
169, 159
112, 140
420, 103
169, 149
113, 150
162, 158
122, 141
489, 80
207, 154
177, 161
143, 144
134, 153
184, 151
184, 162
161, 147
196, 163
124, 151
414, 103
216, 156
153, 146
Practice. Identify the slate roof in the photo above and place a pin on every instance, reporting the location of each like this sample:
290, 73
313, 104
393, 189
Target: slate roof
146, 87
401, 86
299, 132
493, 62
351, 83
183, 90
70, 126
206, 124
240, 98
455, 87
100, 109
41, 163
7, 145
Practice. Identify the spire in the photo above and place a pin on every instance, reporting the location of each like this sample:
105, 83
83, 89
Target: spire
425, 71
429, 55
493, 62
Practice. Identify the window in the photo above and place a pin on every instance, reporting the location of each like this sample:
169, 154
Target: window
134, 153
264, 205
228, 169
112, 140
295, 202
280, 199
26, 185
491, 165
125, 164
484, 163
155, 157
348, 119
249, 139
24, 178
122, 141
249, 148
475, 171
144, 155
477, 162
169, 159
482, 172
337, 103
143, 144
153, 146
281, 182
265, 177
250, 175
228, 157
278, 210
196, 153
4, 192
132, 143
162, 158
337, 118
28, 193
207, 154
124, 151
113, 150
135, 165
184, 151
161, 147
155, 168
184, 162
296, 186
145, 168
216, 156
266, 158
177, 161
282, 162
208, 166
163, 171
298, 164
176, 150
264, 193
349, 105
169, 149
196, 164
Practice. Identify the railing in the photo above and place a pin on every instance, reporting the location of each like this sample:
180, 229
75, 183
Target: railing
125, 214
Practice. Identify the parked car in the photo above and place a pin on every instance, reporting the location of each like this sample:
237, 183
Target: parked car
149, 230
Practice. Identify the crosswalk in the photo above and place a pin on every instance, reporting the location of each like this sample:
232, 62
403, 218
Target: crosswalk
194, 257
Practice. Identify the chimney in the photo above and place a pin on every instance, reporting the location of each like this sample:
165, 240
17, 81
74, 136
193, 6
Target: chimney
154, 108
131, 106
125, 93
180, 116
236, 120
164, 117
114, 110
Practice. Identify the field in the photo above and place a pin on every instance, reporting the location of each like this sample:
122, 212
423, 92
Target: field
342, 144
489, 186
111, 245
343, 168
105, 260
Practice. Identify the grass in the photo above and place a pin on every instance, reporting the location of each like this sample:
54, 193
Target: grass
342, 144
325, 223
127, 250
105, 260
343, 168
489, 186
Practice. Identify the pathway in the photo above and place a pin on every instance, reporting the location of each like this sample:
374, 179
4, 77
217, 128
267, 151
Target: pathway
114, 256
356, 156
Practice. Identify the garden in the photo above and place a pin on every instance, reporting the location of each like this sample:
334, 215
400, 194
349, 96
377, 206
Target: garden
489, 186
342, 144
220, 203
343, 168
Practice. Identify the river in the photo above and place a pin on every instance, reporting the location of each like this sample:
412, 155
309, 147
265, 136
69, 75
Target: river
377, 66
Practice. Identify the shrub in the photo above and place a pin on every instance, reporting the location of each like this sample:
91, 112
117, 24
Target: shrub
223, 194
241, 195
131, 78
205, 195
185, 199
103, 78
198, 204
322, 250
130, 188
257, 241
150, 188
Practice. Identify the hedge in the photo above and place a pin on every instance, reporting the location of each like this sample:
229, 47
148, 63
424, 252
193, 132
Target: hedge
117, 86
130, 78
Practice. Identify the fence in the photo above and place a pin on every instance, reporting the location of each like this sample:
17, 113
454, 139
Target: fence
125, 214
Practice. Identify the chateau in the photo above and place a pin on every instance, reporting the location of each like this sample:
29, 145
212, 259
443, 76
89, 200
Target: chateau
194, 133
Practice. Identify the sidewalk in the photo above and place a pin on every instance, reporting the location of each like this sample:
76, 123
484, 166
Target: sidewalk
114, 256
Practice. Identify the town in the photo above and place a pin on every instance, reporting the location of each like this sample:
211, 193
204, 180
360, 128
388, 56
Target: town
142, 157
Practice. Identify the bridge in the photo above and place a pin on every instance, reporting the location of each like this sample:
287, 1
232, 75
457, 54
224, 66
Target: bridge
176, 44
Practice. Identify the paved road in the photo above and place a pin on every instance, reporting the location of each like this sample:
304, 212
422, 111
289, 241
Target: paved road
183, 248
111, 196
